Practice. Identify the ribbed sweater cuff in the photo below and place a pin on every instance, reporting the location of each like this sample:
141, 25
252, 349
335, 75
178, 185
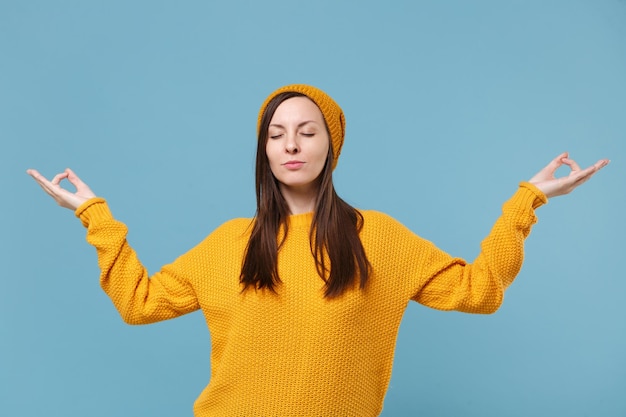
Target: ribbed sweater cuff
532, 195
92, 210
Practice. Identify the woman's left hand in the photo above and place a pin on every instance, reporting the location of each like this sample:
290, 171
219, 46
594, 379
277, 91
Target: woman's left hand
552, 186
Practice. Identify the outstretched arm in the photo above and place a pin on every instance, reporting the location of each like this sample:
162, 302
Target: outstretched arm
62, 196
552, 186
452, 284
140, 299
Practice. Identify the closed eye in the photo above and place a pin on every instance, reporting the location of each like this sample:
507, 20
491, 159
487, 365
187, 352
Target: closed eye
275, 136
308, 135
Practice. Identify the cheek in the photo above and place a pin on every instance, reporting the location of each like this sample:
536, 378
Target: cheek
322, 152
270, 152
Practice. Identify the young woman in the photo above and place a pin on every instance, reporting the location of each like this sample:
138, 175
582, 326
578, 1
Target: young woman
304, 301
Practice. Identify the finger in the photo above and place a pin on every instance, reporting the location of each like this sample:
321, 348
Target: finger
40, 179
581, 176
36, 175
73, 178
58, 178
595, 167
571, 163
551, 168
601, 163
82, 189
558, 161
50, 187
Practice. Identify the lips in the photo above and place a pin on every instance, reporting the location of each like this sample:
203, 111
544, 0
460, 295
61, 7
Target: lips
293, 165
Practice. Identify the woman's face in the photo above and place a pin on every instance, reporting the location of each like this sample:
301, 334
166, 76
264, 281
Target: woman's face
297, 145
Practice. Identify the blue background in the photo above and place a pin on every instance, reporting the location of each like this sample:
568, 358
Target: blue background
448, 104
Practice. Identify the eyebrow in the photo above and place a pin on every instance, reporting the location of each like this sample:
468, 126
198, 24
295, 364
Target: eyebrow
299, 124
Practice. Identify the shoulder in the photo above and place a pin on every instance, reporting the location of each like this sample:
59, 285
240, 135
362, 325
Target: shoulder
228, 232
376, 222
373, 218
238, 227
384, 236
230, 235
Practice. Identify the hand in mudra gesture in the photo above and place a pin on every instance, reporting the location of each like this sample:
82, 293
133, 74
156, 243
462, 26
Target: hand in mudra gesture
552, 186
62, 196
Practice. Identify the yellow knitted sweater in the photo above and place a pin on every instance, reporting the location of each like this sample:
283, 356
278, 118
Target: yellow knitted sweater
296, 353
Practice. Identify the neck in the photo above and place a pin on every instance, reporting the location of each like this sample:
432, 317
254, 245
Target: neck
299, 200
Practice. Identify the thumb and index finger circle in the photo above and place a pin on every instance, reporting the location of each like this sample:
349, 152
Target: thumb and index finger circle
572, 164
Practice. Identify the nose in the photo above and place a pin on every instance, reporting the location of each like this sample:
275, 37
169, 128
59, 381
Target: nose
291, 146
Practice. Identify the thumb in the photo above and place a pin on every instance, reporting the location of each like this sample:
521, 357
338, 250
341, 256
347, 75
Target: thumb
74, 179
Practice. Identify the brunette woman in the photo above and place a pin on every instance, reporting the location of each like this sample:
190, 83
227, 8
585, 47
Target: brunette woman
304, 301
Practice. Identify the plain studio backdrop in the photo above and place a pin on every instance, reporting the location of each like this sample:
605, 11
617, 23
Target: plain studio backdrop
449, 105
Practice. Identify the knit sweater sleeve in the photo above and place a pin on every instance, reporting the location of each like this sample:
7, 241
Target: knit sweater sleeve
139, 299
449, 283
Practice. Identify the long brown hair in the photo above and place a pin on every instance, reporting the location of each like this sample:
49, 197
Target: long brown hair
335, 244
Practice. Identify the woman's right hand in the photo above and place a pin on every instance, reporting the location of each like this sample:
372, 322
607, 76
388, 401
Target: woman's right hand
63, 197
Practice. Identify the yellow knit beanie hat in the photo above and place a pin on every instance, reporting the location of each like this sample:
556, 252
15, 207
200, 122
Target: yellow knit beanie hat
333, 115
